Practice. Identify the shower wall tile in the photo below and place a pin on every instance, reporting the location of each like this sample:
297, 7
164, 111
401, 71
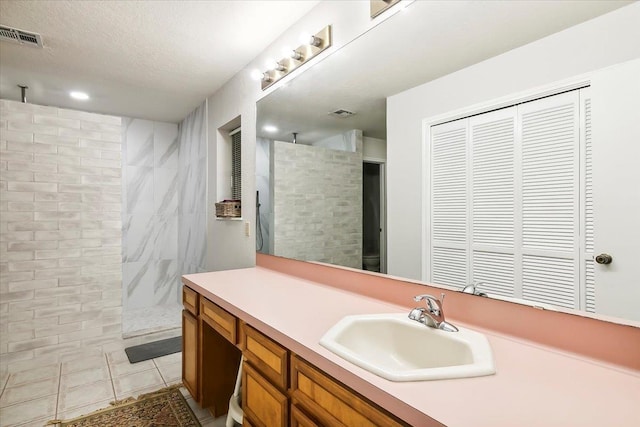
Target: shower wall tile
165, 191
165, 145
164, 292
264, 192
317, 202
192, 173
61, 236
150, 201
139, 142
165, 245
138, 279
139, 189
141, 235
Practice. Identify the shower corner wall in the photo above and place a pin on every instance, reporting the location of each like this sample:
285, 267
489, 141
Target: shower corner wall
163, 224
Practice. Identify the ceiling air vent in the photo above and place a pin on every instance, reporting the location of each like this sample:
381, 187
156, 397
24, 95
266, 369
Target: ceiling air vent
19, 36
341, 113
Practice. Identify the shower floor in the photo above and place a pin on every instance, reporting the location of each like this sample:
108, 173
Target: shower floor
146, 320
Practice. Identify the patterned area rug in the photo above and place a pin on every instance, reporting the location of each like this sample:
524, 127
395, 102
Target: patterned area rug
166, 407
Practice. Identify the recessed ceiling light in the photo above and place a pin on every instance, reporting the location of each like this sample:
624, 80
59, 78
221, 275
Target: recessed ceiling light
79, 95
270, 128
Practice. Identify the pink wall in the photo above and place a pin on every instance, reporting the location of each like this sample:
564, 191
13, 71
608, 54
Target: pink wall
606, 341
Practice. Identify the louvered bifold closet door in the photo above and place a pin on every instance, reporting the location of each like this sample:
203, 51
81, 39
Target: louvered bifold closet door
550, 199
588, 303
449, 224
493, 200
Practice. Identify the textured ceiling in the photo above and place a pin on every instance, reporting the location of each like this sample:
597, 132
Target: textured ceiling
149, 59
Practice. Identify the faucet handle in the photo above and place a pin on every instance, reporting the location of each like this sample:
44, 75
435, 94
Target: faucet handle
429, 299
433, 304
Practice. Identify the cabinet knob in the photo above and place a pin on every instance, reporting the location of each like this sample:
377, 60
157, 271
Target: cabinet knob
604, 259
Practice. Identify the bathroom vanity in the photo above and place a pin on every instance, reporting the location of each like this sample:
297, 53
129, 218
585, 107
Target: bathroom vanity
274, 321
279, 389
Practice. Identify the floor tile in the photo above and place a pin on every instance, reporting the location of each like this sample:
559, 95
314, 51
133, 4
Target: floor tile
40, 422
44, 407
33, 375
217, 422
139, 392
171, 373
84, 410
185, 392
125, 384
168, 359
87, 376
83, 364
25, 392
125, 368
4, 378
118, 356
85, 395
201, 414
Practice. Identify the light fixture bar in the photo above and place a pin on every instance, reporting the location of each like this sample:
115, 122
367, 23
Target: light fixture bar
316, 44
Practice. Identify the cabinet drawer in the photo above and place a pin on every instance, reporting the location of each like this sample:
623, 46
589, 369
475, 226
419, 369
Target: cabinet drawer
262, 403
332, 403
190, 300
267, 356
220, 320
300, 419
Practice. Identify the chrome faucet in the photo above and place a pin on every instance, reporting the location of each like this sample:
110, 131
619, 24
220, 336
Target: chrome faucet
473, 289
433, 314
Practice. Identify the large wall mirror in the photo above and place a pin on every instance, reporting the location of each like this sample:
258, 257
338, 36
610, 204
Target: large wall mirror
321, 155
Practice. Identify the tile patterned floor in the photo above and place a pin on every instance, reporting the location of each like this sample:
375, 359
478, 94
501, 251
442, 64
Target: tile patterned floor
70, 389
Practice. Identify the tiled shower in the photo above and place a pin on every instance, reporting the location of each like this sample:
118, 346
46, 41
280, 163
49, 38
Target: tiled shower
164, 172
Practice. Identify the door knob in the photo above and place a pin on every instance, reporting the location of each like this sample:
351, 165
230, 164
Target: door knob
604, 259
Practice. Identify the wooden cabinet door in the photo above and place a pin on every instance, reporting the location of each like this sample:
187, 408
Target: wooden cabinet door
262, 402
300, 419
190, 354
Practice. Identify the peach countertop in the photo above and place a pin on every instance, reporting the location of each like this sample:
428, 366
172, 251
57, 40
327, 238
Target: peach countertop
533, 385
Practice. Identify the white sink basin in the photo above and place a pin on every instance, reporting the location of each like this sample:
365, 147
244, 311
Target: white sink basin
400, 349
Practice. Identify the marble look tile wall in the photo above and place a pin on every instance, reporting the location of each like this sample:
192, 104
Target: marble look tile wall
262, 185
317, 202
60, 234
192, 181
150, 214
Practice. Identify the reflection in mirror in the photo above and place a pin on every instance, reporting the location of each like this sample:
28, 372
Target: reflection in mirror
321, 155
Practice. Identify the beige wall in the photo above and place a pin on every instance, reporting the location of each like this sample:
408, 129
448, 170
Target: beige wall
60, 233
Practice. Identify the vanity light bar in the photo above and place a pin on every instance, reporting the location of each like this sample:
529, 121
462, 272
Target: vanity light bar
316, 44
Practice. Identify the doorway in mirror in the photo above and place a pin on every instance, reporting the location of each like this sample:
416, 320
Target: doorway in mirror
373, 216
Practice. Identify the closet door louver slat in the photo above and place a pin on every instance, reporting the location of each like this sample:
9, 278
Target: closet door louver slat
492, 198
550, 239
449, 204
589, 278
508, 202
548, 178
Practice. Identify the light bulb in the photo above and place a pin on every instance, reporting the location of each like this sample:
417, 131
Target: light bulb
315, 41
257, 74
275, 65
79, 95
305, 38
270, 128
296, 55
